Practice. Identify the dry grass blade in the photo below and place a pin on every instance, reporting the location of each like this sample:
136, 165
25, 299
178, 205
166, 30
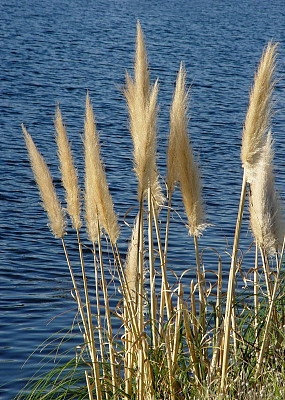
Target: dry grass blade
68, 172
46, 188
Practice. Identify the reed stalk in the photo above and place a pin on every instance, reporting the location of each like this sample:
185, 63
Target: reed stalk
177, 328
88, 339
90, 392
99, 318
269, 315
193, 311
230, 291
202, 288
255, 292
141, 371
165, 284
266, 274
108, 317
152, 271
168, 340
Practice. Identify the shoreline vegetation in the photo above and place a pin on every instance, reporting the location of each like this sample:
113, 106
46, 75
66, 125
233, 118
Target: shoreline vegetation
211, 345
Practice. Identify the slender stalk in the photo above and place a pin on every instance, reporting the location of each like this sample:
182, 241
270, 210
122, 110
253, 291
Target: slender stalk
167, 227
219, 328
88, 340
90, 394
201, 283
131, 332
162, 299
141, 272
219, 294
216, 352
100, 331
269, 315
230, 299
169, 362
234, 329
177, 325
193, 311
151, 272
77, 294
255, 293
128, 360
168, 301
190, 341
108, 317
87, 301
140, 304
266, 274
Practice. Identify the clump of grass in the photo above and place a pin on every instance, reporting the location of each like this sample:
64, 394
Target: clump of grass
166, 348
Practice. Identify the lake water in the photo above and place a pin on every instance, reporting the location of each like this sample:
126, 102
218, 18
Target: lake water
52, 52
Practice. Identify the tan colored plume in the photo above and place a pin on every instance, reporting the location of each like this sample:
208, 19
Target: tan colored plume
46, 187
265, 209
258, 118
141, 100
68, 172
181, 166
98, 201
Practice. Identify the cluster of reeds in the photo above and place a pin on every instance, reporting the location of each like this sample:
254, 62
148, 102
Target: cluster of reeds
169, 347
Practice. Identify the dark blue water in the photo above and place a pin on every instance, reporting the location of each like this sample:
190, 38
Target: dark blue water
52, 52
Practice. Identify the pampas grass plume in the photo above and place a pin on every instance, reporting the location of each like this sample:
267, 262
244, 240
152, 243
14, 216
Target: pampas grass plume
265, 210
68, 172
46, 187
181, 166
258, 118
98, 201
141, 100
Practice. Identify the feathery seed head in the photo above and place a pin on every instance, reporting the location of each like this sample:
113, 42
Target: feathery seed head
181, 166
98, 201
68, 172
141, 65
178, 125
266, 217
258, 118
141, 100
46, 187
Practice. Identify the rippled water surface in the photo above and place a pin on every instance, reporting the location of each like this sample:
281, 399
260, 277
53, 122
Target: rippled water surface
52, 52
